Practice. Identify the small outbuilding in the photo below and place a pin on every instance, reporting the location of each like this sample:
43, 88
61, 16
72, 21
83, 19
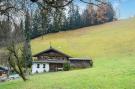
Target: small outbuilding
80, 62
3, 72
54, 60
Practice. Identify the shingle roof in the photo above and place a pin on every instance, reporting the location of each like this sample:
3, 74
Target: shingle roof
51, 49
3, 69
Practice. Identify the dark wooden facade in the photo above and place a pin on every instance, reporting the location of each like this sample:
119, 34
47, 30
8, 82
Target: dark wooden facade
80, 62
55, 66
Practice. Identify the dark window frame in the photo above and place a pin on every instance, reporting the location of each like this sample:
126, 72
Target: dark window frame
38, 65
43, 65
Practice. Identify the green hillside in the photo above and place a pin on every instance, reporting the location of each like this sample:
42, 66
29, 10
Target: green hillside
111, 46
108, 40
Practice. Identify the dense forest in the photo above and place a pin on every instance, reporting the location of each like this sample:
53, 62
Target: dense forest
55, 20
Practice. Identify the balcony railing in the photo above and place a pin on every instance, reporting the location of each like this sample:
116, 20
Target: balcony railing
52, 60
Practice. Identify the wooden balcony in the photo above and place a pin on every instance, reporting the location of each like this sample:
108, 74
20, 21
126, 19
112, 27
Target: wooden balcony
51, 61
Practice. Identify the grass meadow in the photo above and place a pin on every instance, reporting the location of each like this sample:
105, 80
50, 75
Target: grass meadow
111, 46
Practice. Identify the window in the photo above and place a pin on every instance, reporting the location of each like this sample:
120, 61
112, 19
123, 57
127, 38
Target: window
43, 65
38, 65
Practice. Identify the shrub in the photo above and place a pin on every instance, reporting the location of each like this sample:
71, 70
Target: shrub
66, 67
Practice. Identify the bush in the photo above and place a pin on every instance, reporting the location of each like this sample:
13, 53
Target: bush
66, 67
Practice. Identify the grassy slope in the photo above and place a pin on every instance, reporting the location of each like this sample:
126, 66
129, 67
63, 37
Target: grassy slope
112, 47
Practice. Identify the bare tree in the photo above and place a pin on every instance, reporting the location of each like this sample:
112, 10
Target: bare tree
17, 40
16, 53
63, 3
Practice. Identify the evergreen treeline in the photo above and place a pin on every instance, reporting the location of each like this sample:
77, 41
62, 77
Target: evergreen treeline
55, 20
52, 20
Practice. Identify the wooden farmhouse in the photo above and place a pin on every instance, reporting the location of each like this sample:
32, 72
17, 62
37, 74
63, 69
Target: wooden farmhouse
3, 72
54, 60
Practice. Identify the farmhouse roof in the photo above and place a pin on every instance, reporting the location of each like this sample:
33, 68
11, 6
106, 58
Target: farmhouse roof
3, 69
51, 49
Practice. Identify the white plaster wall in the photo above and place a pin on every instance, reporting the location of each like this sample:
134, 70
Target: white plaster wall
40, 69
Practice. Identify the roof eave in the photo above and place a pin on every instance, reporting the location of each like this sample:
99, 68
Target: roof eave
36, 55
